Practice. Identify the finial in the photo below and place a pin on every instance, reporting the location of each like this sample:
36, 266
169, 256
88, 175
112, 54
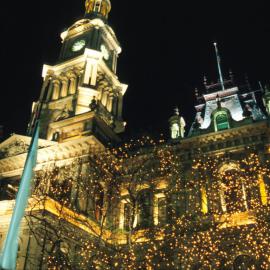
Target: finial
196, 93
218, 101
267, 88
219, 66
176, 111
101, 7
205, 80
231, 75
247, 82
261, 87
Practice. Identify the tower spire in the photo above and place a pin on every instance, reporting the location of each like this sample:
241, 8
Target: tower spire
219, 66
100, 8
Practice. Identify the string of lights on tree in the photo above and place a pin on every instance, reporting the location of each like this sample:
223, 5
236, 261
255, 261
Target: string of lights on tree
220, 209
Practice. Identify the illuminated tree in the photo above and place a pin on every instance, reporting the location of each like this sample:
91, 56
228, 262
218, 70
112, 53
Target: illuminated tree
133, 207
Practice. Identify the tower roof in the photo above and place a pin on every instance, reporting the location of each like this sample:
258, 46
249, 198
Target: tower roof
97, 8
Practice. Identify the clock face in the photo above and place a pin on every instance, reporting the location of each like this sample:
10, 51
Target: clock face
105, 52
78, 45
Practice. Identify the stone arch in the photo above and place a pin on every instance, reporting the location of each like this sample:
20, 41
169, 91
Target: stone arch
225, 166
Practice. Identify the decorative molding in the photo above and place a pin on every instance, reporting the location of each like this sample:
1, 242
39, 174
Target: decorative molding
60, 153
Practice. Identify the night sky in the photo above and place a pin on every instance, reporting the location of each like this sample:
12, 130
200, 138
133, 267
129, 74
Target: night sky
167, 49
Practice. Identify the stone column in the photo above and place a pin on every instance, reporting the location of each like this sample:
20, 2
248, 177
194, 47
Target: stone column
104, 97
122, 215
56, 89
73, 84
64, 88
115, 58
115, 103
87, 72
120, 106
50, 91
110, 102
90, 72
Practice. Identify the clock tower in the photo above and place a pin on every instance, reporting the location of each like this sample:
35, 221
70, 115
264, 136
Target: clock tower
81, 93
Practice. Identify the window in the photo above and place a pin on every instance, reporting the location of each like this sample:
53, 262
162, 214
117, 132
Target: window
179, 203
233, 192
8, 189
144, 209
127, 217
162, 211
221, 121
97, 6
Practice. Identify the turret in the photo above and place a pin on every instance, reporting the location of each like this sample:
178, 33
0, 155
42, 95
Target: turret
177, 126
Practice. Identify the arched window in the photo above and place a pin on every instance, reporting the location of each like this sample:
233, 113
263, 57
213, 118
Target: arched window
233, 193
97, 5
244, 262
221, 121
56, 136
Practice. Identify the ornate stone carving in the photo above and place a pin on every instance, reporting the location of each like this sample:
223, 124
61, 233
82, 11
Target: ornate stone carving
15, 148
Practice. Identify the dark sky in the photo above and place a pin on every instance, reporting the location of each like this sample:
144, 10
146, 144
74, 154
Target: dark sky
167, 49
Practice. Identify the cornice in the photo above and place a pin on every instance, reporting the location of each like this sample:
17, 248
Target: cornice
255, 127
59, 153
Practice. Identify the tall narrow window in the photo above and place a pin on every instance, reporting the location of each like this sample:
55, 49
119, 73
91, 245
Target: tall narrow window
127, 216
144, 209
162, 211
234, 192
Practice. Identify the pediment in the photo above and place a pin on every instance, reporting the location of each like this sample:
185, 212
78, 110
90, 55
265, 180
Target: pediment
18, 144
13, 146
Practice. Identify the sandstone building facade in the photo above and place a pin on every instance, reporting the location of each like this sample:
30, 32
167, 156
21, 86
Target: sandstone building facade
197, 201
